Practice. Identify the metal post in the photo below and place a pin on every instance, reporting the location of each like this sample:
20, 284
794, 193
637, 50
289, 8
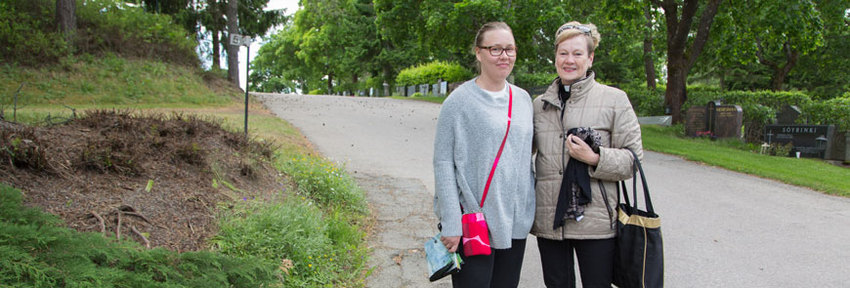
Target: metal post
247, 66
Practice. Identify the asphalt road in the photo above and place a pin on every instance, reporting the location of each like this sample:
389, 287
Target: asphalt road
721, 228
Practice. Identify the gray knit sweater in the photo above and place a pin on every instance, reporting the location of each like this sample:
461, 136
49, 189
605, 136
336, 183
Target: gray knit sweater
469, 132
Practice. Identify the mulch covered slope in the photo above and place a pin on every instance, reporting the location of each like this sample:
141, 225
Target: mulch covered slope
156, 178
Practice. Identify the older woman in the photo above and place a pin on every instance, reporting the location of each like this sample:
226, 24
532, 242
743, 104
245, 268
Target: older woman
471, 128
583, 131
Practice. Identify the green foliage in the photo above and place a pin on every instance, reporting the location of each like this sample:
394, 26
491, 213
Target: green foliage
325, 183
314, 249
833, 111
531, 80
111, 25
644, 101
29, 36
27, 33
36, 251
432, 72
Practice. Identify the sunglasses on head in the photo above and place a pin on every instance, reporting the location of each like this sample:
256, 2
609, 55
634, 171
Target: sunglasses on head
582, 28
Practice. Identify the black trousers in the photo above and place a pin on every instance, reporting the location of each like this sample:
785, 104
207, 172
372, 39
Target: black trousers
499, 269
595, 261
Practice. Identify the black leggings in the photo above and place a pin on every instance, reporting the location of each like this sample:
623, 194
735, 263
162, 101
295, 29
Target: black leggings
595, 261
499, 269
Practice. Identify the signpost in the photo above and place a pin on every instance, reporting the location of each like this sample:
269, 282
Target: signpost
239, 40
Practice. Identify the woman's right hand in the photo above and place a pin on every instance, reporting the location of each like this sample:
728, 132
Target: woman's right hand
451, 243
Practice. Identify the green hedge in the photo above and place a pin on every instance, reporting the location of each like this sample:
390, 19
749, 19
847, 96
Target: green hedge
759, 107
529, 81
431, 72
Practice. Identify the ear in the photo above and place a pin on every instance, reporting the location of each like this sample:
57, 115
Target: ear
477, 54
590, 58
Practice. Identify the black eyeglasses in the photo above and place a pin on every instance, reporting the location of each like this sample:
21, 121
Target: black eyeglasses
497, 51
582, 28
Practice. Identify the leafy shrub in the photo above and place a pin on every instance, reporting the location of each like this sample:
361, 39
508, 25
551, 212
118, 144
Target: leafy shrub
313, 249
27, 32
644, 101
833, 111
111, 25
432, 72
29, 36
417, 94
325, 183
531, 80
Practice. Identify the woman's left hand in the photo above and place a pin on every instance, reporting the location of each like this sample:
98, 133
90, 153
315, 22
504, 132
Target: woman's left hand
581, 151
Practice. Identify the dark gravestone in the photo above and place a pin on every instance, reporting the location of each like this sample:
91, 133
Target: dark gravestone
788, 115
695, 122
715, 120
812, 141
727, 121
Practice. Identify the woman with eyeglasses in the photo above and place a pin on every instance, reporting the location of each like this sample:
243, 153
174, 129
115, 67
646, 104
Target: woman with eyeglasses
583, 131
474, 123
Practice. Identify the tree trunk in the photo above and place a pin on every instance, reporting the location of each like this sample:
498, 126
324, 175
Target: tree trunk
66, 18
681, 56
216, 46
674, 96
779, 73
648, 62
232, 50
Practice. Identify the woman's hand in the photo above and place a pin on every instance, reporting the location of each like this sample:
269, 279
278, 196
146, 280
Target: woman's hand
451, 243
581, 151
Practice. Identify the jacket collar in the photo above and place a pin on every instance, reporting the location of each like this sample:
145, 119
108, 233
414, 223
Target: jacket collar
578, 90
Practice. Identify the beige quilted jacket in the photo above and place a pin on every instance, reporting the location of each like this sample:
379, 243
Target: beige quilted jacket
606, 110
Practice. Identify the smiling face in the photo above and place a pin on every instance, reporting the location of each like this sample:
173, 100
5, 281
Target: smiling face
572, 59
496, 67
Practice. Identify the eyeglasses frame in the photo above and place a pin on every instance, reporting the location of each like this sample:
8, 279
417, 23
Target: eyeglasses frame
504, 50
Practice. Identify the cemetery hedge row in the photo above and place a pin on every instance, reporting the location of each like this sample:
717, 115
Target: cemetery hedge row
430, 73
759, 107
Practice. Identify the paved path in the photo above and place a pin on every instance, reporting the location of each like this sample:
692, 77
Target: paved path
721, 228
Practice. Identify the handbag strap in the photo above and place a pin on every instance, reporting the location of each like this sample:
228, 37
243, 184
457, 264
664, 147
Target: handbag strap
496, 161
647, 199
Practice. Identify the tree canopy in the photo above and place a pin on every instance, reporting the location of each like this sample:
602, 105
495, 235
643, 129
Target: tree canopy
339, 46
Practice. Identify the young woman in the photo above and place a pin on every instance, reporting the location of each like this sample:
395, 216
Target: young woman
470, 130
577, 178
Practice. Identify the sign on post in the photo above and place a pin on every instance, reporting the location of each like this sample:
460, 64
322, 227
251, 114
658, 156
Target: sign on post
239, 40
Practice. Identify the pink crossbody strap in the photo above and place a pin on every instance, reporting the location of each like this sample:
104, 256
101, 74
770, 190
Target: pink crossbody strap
496, 162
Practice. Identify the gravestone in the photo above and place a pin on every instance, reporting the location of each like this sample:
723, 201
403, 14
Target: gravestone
423, 88
812, 141
410, 91
435, 89
444, 88
788, 115
728, 120
714, 120
696, 121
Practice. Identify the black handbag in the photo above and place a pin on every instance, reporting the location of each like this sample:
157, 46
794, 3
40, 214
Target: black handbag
639, 256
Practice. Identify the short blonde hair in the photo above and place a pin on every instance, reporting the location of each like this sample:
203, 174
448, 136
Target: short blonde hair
573, 29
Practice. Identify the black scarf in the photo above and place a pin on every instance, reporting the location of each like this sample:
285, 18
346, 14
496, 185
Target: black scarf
575, 186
